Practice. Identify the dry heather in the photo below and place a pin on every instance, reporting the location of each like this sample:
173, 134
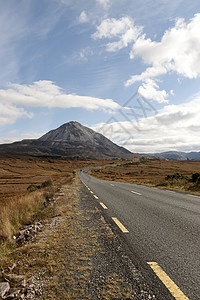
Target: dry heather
152, 172
19, 173
67, 259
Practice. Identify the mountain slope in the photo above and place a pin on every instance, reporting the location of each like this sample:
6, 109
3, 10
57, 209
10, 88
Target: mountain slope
176, 155
74, 134
70, 139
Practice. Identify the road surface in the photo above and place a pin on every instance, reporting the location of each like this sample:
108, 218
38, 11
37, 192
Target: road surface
161, 230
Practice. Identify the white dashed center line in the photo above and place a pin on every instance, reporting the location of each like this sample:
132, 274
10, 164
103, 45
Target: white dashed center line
136, 193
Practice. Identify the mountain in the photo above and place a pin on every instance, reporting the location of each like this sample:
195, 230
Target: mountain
70, 139
175, 155
193, 155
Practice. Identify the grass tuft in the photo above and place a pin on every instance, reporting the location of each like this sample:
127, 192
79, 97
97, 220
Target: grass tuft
18, 213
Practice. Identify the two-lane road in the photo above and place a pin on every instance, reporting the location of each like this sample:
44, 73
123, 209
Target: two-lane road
161, 227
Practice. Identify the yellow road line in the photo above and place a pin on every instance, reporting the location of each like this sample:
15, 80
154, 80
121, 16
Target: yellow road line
119, 224
170, 285
194, 196
91, 192
96, 197
88, 189
103, 205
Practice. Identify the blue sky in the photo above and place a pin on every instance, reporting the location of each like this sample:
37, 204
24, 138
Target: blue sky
64, 60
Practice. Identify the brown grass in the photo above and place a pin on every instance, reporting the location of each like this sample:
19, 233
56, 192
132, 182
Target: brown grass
17, 213
64, 256
17, 173
151, 173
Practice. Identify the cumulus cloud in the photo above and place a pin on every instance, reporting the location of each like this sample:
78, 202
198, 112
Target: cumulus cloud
105, 3
178, 51
150, 90
151, 72
122, 29
44, 93
83, 18
174, 127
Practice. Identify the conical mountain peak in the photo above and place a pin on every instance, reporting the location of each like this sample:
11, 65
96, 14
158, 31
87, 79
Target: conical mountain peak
72, 140
74, 134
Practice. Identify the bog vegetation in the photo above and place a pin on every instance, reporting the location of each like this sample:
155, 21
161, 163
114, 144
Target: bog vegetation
26, 185
181, 175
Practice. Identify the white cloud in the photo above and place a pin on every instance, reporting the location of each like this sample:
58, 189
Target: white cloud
105, 3
9, 113
174, 127
123, 29
45, 94
178, 51
84, 53
150, 90
83, 18
16, 136
151, 72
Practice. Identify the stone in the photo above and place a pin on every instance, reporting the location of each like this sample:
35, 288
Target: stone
29, 232
15, 293
15, 278
4, 288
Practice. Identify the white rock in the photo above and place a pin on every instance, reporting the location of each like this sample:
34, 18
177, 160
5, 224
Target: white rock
4, 288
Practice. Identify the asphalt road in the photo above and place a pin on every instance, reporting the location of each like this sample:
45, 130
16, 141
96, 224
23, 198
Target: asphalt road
162, 226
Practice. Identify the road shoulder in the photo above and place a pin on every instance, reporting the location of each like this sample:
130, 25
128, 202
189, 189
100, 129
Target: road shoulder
77, 255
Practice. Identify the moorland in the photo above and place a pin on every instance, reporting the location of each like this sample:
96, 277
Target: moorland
180, 175
27, 182
68, 243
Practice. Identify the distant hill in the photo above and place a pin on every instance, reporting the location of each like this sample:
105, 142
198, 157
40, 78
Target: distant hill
175, 155
71, 139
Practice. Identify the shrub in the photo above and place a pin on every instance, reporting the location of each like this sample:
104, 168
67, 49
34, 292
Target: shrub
32, 188
46, 183
177, 176
196, 177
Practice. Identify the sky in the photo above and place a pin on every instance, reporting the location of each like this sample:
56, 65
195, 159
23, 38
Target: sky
129, 69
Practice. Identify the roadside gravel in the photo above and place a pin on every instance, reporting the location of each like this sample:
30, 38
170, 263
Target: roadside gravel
77, 255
